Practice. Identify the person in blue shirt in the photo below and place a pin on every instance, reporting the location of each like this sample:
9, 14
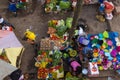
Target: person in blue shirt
12, 7
100, 1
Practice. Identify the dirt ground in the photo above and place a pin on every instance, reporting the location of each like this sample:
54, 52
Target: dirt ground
38, 23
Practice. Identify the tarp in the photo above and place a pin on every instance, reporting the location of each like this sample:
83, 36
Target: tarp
5, 69
13, 48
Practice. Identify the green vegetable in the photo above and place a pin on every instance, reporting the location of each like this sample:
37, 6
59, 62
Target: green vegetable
21, 5
65, 55
50, 24
64, 4
62, 23
56, 57
39, 52
61, 30
72, 78
69, 22
61, 69
68, 75
50, 5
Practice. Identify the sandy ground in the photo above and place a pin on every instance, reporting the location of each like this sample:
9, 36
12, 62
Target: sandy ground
38, 23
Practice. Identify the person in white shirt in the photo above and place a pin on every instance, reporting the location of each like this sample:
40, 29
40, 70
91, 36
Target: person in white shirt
1, 19
4, 22
6, 27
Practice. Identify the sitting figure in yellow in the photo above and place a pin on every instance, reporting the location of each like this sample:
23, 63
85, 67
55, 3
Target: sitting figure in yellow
29, 36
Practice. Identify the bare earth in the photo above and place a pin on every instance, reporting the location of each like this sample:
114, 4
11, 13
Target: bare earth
38, 23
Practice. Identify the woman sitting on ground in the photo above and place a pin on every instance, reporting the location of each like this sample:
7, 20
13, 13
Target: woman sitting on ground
76, 67
6, 27
29, 36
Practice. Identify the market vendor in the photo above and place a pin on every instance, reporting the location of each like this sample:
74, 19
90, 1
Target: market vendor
76, 67
87, 54
29, 36
3, 22
18, 75
83, 40
74, 2
15, 75
87, 1
12, 7
6, 27
100, 1
109, 7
